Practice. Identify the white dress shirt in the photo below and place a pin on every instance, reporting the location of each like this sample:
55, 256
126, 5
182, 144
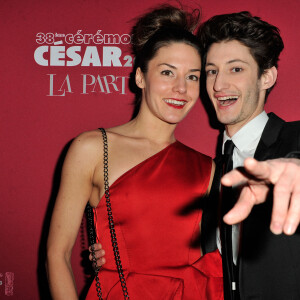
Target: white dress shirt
245, 141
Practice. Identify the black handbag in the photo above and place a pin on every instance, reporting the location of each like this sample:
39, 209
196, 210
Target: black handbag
92, 232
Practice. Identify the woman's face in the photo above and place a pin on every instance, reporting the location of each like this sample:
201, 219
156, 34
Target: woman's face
170, 87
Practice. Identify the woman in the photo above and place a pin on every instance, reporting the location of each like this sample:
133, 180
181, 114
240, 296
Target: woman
153, 180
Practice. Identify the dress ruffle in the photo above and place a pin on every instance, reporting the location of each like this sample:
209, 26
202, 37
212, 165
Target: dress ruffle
207, 283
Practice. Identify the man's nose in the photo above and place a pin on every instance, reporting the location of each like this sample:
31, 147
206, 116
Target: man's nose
221, 82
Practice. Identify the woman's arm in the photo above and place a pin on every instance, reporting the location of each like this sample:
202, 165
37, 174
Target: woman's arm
75, 190
212, 173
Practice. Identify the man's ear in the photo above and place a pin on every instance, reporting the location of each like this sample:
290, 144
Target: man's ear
139, 78
269, 78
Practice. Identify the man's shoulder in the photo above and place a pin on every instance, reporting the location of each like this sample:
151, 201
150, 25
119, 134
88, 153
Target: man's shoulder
278, 138
292, 124
273, 118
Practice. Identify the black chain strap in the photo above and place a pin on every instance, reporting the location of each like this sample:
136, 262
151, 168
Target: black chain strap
92, 241
92, 233
110, 218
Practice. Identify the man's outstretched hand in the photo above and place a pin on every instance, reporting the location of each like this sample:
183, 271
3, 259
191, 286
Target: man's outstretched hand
257, 177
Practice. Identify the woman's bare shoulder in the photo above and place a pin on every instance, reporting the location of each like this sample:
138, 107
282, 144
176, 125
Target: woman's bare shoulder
87, 147
88, 139
119, 136
91, 142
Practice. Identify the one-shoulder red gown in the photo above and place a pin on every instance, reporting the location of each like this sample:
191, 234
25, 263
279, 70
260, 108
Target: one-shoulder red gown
157, 212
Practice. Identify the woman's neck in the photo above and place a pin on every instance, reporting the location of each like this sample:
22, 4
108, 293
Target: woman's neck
152, 129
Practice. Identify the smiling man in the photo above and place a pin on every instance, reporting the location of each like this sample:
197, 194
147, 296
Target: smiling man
238, 95
240, 56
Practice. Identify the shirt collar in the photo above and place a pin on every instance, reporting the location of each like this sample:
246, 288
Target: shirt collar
248, 136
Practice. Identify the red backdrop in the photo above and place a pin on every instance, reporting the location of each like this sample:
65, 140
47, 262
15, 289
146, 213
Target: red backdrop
62, 73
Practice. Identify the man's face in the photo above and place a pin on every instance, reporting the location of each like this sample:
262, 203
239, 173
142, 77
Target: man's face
233, 85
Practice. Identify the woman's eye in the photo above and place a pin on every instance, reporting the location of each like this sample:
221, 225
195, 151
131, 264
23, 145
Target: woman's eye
236, 70
193, 77
166, 72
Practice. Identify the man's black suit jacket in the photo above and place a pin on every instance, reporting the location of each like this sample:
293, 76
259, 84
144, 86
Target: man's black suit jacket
269, 265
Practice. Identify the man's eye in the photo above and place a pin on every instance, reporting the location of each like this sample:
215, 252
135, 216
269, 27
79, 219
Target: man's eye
166, 72
236, 70
211, 72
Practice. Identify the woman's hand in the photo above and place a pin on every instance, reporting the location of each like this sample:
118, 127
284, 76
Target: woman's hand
99, 255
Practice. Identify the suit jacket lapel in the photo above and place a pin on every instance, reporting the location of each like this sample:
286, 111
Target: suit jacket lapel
269, 138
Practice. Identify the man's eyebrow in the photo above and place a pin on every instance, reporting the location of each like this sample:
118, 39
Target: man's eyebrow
237, 60
173, 67
229, 62
209, 64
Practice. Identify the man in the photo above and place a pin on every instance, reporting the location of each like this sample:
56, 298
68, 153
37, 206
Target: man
240, 55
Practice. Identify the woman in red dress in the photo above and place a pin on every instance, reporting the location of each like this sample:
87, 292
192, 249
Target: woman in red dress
153, 180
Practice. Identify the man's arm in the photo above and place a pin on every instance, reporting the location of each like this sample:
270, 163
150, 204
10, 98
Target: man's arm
257, 177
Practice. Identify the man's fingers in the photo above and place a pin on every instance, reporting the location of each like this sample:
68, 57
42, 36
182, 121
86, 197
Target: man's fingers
234, 177
258, 169
251, 194
241, 209
283, 174
286, 206
293, 217
279, 213
282, 194
253, 169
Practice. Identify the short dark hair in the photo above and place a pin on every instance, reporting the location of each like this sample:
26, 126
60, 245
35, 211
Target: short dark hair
262, 38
